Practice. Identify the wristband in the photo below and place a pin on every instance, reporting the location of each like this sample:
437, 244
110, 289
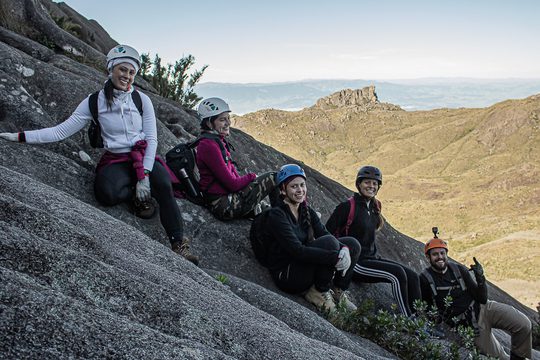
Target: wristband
146, 172
22, 137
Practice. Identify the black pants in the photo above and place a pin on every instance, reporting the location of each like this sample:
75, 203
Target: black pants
405, 281
299, 276
115, 184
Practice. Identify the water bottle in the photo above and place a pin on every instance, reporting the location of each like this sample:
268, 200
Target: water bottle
188, 185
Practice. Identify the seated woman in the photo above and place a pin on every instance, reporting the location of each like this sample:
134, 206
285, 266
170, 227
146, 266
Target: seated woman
230, 195
302, 255
129, 170
366, 219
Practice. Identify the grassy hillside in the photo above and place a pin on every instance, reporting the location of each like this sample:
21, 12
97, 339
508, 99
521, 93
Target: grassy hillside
475, 173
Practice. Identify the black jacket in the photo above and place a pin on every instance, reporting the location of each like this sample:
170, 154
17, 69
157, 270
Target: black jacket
290, 238
461, 299
363, 227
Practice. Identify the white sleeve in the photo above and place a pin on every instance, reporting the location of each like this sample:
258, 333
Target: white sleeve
80, 117
150, 130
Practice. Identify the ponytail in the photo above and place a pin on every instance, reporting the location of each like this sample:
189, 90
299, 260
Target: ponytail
305, 215
109, 94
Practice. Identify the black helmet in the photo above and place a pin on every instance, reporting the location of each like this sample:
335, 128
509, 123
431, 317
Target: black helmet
369, 172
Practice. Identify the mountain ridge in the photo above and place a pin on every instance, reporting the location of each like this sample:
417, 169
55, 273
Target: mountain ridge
412, 94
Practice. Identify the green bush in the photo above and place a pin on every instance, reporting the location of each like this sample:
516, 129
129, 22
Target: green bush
408, 338
176, 81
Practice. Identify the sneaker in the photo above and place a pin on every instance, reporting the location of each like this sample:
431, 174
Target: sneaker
322, 300
143, 209
341, 298
182, 249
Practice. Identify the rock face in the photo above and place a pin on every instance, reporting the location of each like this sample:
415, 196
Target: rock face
79, 280
365, 98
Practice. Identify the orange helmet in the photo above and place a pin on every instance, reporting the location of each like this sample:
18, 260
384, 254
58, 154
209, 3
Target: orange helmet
435, 242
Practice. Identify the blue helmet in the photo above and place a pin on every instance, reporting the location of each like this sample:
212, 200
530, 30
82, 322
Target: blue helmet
288, 171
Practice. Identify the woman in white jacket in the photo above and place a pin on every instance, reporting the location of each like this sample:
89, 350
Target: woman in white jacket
128, 170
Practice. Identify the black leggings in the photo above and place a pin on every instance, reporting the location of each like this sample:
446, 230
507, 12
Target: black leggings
115, 184
299, 276
405, 281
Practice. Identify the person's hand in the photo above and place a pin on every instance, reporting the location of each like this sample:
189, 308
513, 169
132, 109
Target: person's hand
478, 271
142, 190
10, 136
344, 260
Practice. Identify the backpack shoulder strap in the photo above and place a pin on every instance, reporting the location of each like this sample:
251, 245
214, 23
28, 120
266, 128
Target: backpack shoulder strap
431, 282
458, 276
350, 217
136, 97
93, 105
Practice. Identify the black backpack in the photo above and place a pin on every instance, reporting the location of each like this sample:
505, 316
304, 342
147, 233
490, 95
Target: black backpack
259, 238
182, 160
94, 130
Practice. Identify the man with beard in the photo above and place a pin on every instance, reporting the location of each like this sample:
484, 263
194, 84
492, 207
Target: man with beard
462, 300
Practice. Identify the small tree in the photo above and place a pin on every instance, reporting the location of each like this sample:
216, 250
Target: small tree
175, 82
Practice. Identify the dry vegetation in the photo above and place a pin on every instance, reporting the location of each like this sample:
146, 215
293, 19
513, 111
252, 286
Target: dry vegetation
475, 173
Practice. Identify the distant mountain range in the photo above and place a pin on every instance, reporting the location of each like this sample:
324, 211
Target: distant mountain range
417, 94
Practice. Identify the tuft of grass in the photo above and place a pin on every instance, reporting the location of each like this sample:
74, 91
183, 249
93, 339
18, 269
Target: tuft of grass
222, 279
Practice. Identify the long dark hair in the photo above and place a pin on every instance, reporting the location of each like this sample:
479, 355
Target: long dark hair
109, 94
303, 213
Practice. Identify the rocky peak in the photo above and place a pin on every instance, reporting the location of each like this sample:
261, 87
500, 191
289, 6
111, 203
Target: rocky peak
365, 98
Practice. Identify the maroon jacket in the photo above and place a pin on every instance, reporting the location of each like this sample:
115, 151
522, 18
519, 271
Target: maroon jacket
218, 178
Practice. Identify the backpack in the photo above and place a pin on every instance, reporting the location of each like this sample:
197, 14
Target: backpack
259, 239
344, 231
182, 160
94, 130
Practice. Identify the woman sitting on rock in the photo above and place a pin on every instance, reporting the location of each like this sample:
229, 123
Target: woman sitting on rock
302, 254
229, 195
360, 217
127, 171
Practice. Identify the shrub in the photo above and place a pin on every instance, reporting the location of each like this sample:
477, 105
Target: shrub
176, 81
407, 337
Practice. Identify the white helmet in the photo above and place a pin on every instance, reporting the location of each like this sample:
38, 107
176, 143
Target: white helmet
124, 51
211, 107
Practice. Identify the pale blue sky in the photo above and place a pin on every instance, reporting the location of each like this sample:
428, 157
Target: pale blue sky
287, 40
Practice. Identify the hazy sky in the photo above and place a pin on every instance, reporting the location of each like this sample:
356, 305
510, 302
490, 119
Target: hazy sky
286, 40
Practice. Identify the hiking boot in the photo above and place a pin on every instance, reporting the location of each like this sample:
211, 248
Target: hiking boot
342, 299
143, 209
322, 300
182, 249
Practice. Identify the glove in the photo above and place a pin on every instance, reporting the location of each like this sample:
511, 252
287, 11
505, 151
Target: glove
478, 271
344, 260
142, 190
10, 136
